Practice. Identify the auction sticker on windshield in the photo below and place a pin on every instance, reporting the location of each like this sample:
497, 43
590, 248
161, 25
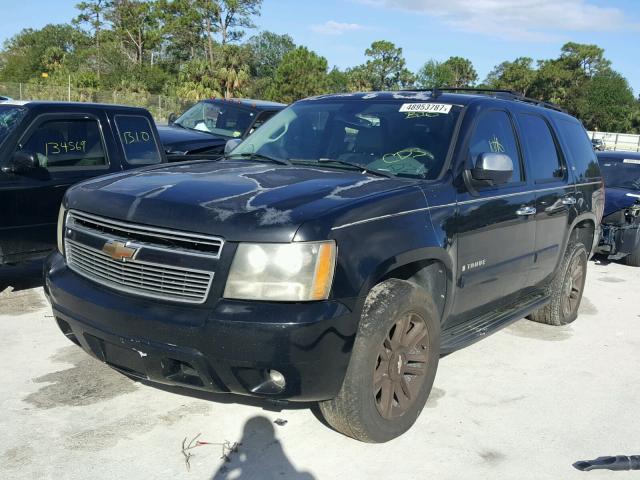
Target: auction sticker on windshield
426, 107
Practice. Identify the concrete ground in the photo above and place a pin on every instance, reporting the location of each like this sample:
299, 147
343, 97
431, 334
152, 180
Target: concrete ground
524, 403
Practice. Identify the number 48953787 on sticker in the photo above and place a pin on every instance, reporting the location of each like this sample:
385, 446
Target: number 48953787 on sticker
426, 107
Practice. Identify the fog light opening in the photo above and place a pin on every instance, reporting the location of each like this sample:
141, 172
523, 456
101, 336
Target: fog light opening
277, 379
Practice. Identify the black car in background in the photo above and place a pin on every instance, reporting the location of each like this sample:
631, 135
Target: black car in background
620, 237
336, 253
45, 147
206, 127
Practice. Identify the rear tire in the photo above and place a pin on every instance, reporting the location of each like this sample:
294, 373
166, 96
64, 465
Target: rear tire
566, 288
633, 259
393, 364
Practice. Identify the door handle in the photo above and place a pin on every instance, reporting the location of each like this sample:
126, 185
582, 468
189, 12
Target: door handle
569, 200
526, 211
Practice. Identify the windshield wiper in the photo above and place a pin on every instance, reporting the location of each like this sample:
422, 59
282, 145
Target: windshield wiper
358, 166
259, 156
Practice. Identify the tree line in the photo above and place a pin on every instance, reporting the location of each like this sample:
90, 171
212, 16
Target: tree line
195, 49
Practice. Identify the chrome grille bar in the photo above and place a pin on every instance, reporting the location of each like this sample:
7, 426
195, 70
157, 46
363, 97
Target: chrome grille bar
137, 277
194, 243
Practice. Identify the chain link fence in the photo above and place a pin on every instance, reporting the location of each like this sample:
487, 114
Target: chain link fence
160, 106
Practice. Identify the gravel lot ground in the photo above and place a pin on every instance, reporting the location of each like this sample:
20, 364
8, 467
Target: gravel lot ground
524, 403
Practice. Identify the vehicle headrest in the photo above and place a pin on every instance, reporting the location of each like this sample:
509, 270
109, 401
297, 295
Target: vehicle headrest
369, 140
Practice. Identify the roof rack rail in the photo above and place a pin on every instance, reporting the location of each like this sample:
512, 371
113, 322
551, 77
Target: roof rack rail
503, 94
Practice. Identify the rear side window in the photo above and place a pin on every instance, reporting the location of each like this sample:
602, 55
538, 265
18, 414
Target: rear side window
494, 133
138, 142
67, 144
540, 148
584, 160
621, 174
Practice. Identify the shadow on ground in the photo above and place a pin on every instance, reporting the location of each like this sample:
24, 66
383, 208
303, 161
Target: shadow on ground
259, 455
17, 289
21, 277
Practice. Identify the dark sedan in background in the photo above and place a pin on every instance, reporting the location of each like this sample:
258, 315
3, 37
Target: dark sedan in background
621, 223
206, 127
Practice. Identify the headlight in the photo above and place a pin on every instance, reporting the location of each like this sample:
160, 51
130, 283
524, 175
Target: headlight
60, 232
291, 272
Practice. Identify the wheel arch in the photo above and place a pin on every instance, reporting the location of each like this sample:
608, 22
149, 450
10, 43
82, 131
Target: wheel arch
584, 229
429, 268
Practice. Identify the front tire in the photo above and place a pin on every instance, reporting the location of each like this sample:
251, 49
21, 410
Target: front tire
566, 288
393, 364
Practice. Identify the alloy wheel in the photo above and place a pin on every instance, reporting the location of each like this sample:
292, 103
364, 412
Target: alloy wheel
401, 365
573, 287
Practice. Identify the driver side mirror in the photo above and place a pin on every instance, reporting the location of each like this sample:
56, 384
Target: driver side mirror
22, 161
172, 118
231, 145
494, 168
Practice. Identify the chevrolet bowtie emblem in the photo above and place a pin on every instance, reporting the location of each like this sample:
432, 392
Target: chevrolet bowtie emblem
119, 251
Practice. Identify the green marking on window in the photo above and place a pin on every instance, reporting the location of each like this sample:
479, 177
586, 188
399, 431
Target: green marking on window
135, 137
57, 148
409, 115
405, 154
495, 145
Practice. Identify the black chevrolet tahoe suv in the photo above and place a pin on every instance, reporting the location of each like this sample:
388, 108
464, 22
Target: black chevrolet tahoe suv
47, 146
337, 253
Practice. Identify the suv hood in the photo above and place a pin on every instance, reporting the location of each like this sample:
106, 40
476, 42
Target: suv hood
240, 201
177, 140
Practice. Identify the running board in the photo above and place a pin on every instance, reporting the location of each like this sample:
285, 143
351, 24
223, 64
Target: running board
465, 334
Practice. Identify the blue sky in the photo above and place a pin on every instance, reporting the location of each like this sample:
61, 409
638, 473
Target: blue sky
487, 32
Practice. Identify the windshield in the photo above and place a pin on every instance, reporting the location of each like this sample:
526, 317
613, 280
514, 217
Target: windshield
394, 137
10, 116
624, 174
227, 120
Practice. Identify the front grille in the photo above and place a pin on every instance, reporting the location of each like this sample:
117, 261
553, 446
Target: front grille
160, 237
165, 264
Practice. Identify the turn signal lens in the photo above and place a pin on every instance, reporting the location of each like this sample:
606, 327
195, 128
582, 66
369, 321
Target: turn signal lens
324, 272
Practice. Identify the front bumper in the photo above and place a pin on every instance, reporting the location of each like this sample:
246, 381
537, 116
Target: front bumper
227, 347
618, 241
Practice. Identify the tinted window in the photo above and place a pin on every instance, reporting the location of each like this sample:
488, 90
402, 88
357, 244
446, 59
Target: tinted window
494, 134
621, 174
67, 144
540, 148
10, 116
224, 118
136, 136
584, 161
384, 136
